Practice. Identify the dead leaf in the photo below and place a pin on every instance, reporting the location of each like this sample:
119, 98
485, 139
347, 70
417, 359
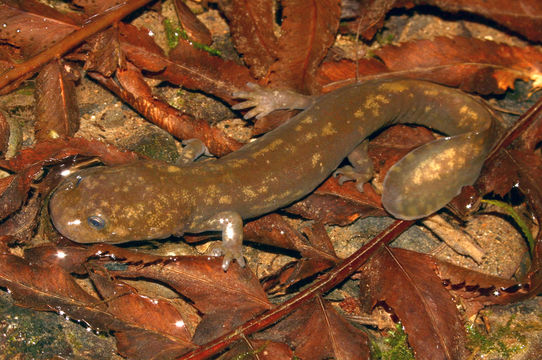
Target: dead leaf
193, 27
27, 22
317, 331
472, 65
308, 30
407, 283
522, 16
252, 28
94, 7
57, 113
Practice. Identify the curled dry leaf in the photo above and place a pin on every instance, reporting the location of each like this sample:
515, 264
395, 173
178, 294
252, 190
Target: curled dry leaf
138, 94
193, 27
4, 134
57, 113
470, 64
522, 16
338, 204
104, 55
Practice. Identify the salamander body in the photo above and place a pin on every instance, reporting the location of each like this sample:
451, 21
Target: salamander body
150, 199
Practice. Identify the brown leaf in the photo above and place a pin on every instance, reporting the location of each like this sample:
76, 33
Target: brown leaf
332, 203
308, 30
317, 331
57, 113
252, 29
227, 299
478, 287
522, 16
161, 327
104, 55
472, 65
50, 288
42, 288
186, 65
14, 190
53, 151
180, 125
193, 27
273, 230
94, 7
20, 227
4, 134
33, 26
406, 281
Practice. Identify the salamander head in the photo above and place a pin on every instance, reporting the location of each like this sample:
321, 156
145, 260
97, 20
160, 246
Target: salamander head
114, 205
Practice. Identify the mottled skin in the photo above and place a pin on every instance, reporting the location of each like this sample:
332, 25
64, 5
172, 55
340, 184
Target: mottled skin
149, 199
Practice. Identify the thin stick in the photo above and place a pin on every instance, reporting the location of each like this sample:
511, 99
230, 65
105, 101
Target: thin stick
69, 42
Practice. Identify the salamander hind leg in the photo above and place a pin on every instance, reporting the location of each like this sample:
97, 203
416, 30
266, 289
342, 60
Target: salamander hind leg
231, 225
192, 151
427, 178
361, 170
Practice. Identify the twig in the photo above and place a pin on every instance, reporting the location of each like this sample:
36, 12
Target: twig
71, 41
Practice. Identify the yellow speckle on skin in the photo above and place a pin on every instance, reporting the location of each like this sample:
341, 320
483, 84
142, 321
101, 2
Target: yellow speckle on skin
315, 159
249, 193
359, 113
375, 102
173, 169
431, 92
431, 170
310, 135
427, 108
239, 163
328, 129
394, 87
271, 147
468, 116
307, 120
225, 199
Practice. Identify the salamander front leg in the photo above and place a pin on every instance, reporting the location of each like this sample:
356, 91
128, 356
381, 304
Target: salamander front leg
361, 170
231, 225
264, 101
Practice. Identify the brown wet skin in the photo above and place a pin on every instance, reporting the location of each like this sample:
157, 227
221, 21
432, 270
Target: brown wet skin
149, 199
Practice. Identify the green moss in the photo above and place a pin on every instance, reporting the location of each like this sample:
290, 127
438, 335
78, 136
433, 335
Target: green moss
397, 347
173, 34
504, 340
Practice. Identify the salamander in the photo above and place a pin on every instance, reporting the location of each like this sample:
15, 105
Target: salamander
150, 199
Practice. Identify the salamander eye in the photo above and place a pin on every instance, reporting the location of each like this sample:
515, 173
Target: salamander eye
96, 222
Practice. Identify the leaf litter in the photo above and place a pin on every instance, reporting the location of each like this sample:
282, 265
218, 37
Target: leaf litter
101, 285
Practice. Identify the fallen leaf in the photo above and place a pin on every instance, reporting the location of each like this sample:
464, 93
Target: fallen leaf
472, 65
57, 113
407, 283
